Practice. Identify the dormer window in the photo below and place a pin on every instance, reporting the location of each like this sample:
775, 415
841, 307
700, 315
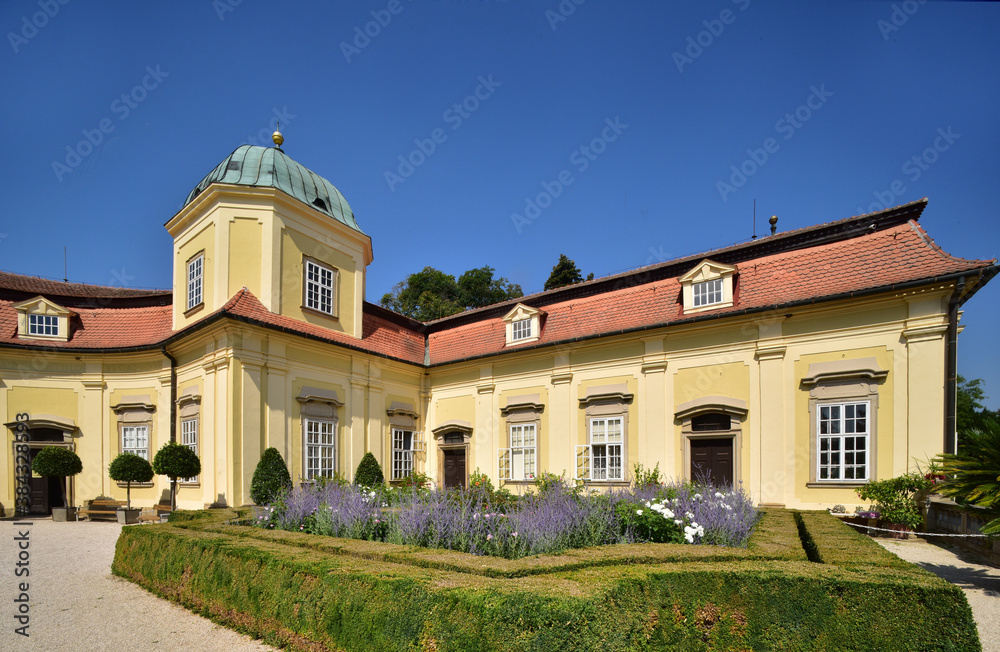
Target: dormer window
708, 286
40, 319
523, 324
520, 330
43, 325
708, 293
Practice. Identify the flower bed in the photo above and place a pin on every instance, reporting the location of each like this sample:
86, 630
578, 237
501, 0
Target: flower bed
484, 522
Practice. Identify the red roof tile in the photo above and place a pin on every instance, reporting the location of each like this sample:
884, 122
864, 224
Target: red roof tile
900, 254
98, 328
35, 285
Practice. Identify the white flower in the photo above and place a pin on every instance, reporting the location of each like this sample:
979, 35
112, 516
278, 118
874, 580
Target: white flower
719, 495
638, 512
647, 504
697, 496
667, 513
678, 521
689, 515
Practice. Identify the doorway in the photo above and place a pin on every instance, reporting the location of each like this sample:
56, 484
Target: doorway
43, 493
713, 458
454, 467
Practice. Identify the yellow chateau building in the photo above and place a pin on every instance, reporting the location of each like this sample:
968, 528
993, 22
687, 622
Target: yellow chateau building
801, 364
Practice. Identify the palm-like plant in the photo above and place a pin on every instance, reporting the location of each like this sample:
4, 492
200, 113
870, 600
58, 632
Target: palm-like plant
973, 475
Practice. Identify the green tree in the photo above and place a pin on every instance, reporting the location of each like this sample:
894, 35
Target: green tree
57, 462
270, 477
565, 272
129, 468
176, 461
973, 475
432, 294
478, 288
369, 473
970, 414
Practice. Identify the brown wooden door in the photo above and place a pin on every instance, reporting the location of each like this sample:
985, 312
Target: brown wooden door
713, 457
38, 491
454, 468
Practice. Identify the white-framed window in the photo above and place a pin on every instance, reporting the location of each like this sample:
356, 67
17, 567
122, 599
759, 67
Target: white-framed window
520, 330
519, 461
319, 290
195, 280
189, 438
402, 453
707, 293
843, 448
135, 439
320, 447
43, 325
607, 439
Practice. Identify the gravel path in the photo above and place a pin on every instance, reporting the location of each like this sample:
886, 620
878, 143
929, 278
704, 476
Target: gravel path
76, 604
980, 582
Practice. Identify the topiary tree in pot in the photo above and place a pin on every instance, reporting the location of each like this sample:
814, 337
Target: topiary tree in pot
270, 478
129, 468
57, 462
176, 461
369, 473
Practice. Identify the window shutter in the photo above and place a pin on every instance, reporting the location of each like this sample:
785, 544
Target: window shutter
582, 462
503, 463
418, 442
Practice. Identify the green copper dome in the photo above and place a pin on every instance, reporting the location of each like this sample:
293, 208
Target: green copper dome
269, 167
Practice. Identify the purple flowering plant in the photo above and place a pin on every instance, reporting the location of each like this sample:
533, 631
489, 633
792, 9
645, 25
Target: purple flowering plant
482, 521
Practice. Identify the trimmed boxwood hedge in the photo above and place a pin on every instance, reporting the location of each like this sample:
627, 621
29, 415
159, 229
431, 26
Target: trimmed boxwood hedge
310, 592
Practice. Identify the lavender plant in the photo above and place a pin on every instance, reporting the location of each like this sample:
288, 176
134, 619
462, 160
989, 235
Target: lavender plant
484, 522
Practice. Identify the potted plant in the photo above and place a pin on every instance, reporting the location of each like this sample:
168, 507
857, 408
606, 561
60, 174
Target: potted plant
176, 461
895, 501
58, 462
129, 468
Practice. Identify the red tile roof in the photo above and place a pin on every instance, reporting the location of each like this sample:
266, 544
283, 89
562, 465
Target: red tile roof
98, 328
861, 254
36, 285
379, 335
898, 254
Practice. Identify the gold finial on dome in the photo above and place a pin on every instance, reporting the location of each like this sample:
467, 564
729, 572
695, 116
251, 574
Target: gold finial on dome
276, 136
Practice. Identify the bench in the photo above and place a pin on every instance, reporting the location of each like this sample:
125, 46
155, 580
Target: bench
100, 508
154, 513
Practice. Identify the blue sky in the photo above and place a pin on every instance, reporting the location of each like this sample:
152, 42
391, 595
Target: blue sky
631, 116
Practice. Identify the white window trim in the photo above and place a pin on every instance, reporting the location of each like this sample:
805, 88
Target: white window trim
317, 288
310, 472
189, 431
41, 324
608, 445
521, 329
523, 456
708, 293
139, 429
842, 466
402, 455
604, 404
195, 282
